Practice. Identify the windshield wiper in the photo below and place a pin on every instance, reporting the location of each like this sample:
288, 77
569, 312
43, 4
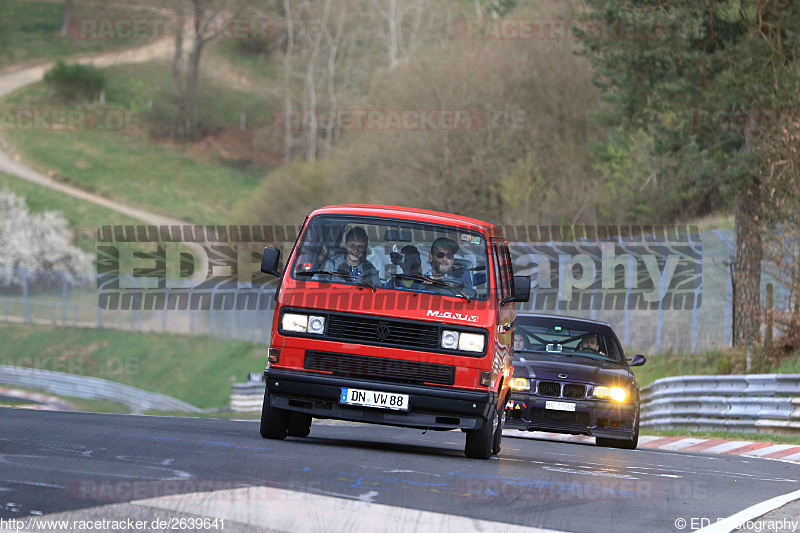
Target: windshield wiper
332, 273
432, 281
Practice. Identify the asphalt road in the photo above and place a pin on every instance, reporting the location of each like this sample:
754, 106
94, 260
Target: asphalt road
53, 462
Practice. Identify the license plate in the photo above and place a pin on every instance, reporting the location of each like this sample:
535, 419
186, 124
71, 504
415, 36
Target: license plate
559, 406
368, 398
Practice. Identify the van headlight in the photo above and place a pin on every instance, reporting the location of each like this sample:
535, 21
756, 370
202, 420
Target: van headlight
297, 323
449, 340
466, 342
618, 394
471, 342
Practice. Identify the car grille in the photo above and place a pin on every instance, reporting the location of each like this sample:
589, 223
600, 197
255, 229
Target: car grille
553, 389
549, 388
559, 417
385, 332
574, 391
380, 368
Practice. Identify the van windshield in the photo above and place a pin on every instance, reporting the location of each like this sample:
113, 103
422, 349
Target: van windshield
393, 254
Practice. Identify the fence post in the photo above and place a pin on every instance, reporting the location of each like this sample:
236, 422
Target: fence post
628, 288
63, 298
164, 313
25, 303
768, 329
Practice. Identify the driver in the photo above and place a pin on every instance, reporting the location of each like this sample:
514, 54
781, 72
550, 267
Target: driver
442, 259
589, 343
354, 261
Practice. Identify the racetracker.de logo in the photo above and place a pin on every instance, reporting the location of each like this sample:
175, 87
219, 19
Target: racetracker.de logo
160, 28
400, 120
559, 29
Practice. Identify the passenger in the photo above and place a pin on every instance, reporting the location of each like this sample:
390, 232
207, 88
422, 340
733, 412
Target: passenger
442, 258
354, 261
411, 266
519, 343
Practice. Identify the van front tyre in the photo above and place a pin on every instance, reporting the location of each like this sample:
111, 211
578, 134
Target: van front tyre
274, 421
480, 441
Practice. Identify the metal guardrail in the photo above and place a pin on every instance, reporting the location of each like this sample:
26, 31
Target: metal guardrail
247, 397
63, 384
747, 403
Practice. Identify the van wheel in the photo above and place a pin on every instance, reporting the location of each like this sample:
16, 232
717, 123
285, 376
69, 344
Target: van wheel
498, 434
299, 425
274, 421
480, 441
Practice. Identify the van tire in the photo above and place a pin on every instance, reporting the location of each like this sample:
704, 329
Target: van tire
274, 421
299, 425
498, 434
480, 441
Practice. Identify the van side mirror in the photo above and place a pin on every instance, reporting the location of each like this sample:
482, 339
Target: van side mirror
270, 260
522, 288
638, 360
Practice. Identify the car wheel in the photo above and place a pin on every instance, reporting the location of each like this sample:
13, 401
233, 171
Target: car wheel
274, 421
299, 425
480, 441
623, 444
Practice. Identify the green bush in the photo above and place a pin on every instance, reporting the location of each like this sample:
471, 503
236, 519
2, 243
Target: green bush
76, 82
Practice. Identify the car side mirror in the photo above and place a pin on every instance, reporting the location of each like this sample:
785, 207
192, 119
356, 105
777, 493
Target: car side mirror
637, 360
270, 260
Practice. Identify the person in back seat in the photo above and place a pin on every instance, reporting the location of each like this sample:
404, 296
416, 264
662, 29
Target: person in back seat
411, 265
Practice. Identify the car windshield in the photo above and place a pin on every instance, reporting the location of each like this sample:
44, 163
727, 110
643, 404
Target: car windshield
393, 255
557, 338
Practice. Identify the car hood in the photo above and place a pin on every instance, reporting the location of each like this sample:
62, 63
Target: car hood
577, 369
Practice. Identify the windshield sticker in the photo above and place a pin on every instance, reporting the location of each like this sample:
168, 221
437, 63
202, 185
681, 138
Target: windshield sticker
476, 240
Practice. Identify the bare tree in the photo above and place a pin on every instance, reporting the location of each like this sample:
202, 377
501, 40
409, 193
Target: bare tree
66, 17
204, 22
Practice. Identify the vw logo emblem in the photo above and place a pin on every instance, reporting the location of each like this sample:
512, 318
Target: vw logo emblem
383, 331
562, 376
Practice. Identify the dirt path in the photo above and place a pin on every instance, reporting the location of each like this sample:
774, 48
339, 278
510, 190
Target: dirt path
12, 165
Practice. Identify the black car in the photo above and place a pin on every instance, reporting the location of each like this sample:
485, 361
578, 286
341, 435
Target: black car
571, 376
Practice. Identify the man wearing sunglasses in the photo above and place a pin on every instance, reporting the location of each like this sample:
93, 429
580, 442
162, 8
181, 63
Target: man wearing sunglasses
442, 258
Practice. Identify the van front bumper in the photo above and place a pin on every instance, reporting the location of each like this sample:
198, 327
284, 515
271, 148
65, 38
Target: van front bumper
429, 407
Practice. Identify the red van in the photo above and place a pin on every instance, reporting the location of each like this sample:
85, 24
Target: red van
393, 316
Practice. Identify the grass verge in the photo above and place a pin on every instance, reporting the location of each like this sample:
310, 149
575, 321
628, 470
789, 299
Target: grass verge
196, 369
709, 363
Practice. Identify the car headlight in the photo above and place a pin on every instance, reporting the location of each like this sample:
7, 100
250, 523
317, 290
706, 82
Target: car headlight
298, 323
450, 340
471, 342
520, 384
618, 394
